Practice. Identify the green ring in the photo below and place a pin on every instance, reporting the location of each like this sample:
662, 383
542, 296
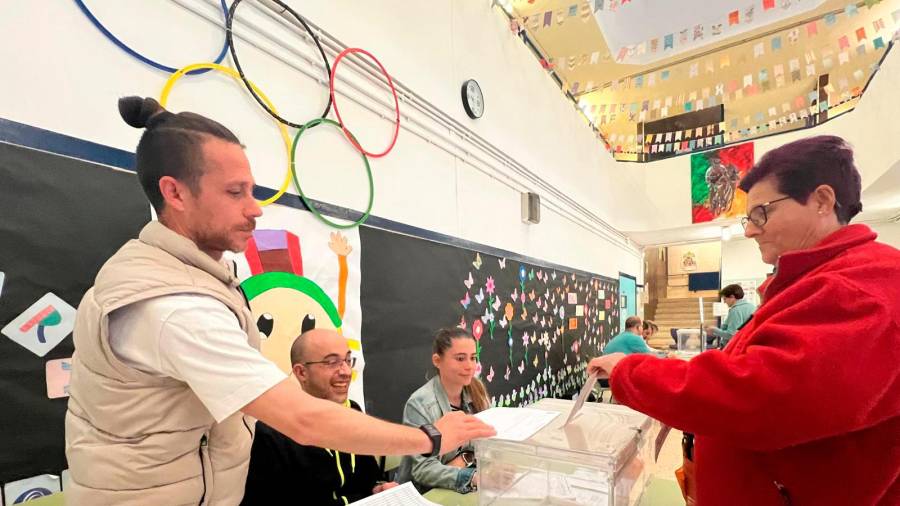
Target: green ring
306, 201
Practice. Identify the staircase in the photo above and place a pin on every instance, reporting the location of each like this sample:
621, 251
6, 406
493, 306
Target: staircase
679, 313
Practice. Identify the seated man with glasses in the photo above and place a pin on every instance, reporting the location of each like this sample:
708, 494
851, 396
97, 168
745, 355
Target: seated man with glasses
279, 467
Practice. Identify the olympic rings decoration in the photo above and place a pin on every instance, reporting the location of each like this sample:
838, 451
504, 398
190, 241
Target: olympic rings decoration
337, 112
303, 197
170, 83
229, 38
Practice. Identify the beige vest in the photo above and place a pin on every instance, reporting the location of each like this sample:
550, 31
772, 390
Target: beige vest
137, 439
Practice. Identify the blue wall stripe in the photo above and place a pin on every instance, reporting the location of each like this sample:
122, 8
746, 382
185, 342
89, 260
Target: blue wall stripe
47, 140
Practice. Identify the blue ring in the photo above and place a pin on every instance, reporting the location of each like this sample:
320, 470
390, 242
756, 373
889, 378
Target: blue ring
132, 52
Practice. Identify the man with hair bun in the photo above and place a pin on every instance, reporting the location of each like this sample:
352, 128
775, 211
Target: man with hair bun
167, 377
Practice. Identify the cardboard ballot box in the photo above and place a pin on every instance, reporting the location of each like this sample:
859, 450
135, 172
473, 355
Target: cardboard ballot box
600, 458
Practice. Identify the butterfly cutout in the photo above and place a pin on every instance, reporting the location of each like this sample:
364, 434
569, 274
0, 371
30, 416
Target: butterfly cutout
506, 376
490, 375
531, 295
521, 367
553, 275
469, 282
515, 294
496, 304
540, 275
488, 315
524, 313
502, 263
531, 274
462, 322
479, 297
466, 301
535, 318
522, 297
477, 262
504, 322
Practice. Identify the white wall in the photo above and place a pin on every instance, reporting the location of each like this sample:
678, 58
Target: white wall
62, 75
741, 258
872, 128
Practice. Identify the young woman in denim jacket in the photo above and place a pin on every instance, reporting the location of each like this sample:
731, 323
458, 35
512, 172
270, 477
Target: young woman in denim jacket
453, 388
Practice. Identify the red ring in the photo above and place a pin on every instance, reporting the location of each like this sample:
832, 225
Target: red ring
338, 113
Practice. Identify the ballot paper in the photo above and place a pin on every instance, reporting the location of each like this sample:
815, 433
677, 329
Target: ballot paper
582, 396
516, 424
403, 495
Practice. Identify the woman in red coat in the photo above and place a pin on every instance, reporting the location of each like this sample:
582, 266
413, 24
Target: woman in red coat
803, 405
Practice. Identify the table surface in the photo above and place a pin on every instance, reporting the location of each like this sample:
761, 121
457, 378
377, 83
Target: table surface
660, 492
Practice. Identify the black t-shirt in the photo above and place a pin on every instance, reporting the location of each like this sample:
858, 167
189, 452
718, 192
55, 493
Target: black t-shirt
282, 471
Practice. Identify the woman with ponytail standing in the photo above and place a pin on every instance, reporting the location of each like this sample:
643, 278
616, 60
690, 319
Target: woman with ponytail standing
453, 388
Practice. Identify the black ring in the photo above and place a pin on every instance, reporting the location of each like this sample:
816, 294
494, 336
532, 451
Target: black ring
237, 64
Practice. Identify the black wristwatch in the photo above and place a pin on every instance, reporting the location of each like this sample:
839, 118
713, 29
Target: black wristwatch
435, 436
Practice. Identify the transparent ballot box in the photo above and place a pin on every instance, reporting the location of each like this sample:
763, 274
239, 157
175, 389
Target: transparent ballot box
689, 340
601, 458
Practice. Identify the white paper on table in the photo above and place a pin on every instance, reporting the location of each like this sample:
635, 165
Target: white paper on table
582, 396
403, 495
516, 424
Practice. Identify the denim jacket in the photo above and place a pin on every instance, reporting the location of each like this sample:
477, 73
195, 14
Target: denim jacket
427, 405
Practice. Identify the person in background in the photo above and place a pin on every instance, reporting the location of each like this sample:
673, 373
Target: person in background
323, 365
739, 311
453, 388
803, 406
630, 340
649, 329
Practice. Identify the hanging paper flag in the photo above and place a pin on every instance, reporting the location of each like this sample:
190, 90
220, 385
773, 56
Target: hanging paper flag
778, 70
560, 17
698, 32
585, 11
794, 64
664, 75
548, 18
896, 16
843, 57
669, 41
720, 89
693, 70
717, 29
710, 67
878, 42
811, 70
830, 19
860, 34
598, 5
878, 25
724, 62
683, 37
595, 57
843, 42
812, 29
851, 9
748, 80
768, 4
861, 49
734, 18
794, 36
764, 75
758, 50
776, 43
573, 11
795, 76
748, 14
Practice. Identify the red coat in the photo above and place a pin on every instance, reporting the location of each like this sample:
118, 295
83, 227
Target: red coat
806, 395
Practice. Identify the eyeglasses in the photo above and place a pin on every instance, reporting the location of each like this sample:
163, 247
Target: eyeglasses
758, 215
335, 362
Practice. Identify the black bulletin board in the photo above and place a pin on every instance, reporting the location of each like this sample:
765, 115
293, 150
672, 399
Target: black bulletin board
60, 219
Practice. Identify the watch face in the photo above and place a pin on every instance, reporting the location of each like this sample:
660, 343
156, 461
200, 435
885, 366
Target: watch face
473, 99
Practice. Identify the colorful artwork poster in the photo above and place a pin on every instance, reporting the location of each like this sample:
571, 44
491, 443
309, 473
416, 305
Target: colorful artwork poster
532, 340
715, 175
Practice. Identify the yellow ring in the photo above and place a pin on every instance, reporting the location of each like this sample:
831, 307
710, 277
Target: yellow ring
164, 97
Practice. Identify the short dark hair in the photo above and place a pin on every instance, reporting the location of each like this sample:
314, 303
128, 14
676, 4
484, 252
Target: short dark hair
632, 321
800, 166
732, 291
171, 145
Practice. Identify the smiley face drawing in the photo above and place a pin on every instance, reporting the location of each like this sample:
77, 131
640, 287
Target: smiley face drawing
284, 303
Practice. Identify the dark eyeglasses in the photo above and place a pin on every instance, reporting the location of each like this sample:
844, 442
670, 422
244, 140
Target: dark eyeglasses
758, 215
335, 362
